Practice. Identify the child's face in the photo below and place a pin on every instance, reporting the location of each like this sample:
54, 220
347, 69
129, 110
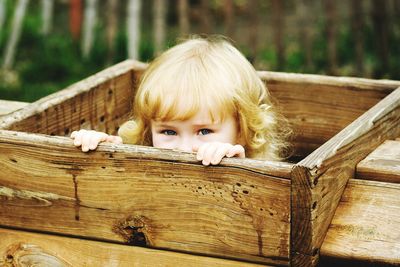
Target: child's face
185, 135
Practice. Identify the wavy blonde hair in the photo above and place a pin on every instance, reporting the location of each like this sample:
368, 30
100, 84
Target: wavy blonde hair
210, 73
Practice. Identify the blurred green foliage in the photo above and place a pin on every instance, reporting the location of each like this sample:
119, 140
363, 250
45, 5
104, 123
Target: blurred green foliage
46, 64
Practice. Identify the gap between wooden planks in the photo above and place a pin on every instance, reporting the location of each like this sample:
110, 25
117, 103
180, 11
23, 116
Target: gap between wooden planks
366, 226
383, 164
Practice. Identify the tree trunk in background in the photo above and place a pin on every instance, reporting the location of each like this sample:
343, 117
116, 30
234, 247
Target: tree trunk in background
381, 36
183, 12
396, 9
205, 16
112, 24
305, 24
89, 27
253, 26
228, 17
278, 28
133, 28
47, 16
19, 14
331, 34
396, 4
396, 22
2, 16
357, 25
75, 18
159, 16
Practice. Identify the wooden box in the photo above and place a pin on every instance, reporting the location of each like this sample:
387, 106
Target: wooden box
274, 213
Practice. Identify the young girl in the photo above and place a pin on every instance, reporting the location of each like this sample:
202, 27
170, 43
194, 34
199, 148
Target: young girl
201, 96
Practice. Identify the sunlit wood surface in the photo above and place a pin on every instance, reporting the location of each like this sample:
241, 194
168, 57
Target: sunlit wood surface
383, 164
7, 106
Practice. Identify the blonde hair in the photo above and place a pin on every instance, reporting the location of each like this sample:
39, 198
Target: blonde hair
208, 73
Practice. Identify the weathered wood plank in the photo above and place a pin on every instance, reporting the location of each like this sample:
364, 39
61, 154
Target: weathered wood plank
146, 196
7, 106
318, 181
383, 164
365, 230
319, 106
340, 82
102, 102
50, 250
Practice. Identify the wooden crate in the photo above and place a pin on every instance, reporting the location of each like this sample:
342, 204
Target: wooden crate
365, 230
265, 212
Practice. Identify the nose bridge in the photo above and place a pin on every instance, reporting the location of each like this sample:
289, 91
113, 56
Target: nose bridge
186, 143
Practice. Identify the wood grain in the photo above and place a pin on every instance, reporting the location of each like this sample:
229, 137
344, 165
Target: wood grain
146, 196
383, 164
318, 181
101, 102
318, 107
20, 248
240, 209
7, 106
365, 230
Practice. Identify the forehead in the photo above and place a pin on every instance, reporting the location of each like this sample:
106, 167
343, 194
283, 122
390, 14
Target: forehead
200, 116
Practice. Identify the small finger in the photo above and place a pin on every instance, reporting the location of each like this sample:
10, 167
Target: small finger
209, 153
236, 150
73, 134
86, 141
96, 139
220, 153
114, 139
200, 151
78, 138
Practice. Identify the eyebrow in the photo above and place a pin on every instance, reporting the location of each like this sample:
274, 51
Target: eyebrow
163, 125
198, 125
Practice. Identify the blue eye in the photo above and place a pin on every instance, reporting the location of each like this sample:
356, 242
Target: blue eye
205, 131
168, 132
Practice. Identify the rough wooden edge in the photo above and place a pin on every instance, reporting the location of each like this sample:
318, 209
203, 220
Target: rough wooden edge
273, 168
70, 92
319, 180
49, 249
8, 106
352, 82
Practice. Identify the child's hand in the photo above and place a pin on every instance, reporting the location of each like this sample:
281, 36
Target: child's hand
89, 140
214, 152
